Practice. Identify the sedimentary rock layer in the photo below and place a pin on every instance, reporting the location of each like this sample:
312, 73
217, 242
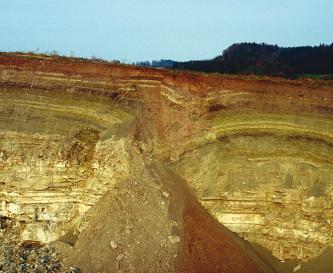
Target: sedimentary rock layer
257, 151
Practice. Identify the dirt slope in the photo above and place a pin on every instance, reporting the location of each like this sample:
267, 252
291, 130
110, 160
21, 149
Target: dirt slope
141, 237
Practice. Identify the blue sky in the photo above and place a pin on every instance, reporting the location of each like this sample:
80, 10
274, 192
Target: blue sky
133, 30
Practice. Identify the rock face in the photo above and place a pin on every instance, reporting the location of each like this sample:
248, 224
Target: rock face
266, 171
77, 135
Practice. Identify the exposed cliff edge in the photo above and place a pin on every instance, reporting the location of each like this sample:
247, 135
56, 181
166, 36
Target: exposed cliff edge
83, 143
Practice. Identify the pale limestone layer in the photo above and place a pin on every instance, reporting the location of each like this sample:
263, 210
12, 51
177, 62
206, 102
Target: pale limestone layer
48, 185
272, 190
291, 226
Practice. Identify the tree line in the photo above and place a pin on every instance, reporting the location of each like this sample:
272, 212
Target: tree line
264, 59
